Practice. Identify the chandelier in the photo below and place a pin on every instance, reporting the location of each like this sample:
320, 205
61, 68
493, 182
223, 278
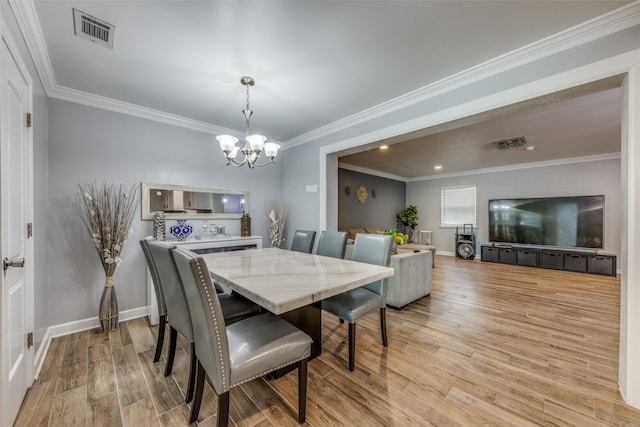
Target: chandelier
254, 144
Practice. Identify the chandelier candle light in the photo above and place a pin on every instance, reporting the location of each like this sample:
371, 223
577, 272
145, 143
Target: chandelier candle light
254, 144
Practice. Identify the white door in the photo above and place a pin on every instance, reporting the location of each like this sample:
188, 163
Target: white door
16, 251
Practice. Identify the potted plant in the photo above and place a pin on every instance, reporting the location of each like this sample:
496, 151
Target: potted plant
107, 211
408, 217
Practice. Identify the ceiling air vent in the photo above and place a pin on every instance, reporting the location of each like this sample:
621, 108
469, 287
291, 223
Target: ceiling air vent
93, 29
505, 144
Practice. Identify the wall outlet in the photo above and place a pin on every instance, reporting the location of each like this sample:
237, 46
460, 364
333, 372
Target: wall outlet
312, 188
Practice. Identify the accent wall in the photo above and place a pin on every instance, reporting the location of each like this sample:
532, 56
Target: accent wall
386, 197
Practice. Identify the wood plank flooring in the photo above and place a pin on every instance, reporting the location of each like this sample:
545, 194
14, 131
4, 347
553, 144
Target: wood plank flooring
493, 345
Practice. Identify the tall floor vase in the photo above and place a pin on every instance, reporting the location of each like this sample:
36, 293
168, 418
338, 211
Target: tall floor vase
108, 313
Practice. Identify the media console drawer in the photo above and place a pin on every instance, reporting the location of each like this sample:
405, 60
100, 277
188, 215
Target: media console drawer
490, 254
552, 259
527, 257
575, 262
507, 256
601, 264
581, 261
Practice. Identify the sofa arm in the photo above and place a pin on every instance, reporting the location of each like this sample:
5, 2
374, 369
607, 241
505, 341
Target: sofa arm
412, 278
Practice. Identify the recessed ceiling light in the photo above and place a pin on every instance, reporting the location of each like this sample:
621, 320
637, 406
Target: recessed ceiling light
384, 147
530, 147
437, 167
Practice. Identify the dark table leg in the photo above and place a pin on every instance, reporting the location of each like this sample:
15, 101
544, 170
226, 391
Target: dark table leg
309, 320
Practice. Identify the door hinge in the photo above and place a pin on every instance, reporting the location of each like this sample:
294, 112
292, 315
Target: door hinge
29, 229
28, 120
30, 340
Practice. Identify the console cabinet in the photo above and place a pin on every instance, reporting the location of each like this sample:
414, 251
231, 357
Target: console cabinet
582, 261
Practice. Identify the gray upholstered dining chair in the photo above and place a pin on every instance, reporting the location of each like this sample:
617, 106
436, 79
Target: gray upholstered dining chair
303, 241
234, 308
332, 244
234, 354
162, 305
357, 303
161, 266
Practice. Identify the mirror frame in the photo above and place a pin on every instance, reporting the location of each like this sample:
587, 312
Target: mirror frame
147, 214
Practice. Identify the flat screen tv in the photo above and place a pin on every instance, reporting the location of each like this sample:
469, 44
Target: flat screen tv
550, 221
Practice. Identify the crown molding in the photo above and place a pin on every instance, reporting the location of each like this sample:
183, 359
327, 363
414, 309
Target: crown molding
607, 24
373, 172
508, 168
599, 27
110, 104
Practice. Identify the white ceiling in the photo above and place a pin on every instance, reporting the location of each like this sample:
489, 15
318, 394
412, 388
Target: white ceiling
314, 62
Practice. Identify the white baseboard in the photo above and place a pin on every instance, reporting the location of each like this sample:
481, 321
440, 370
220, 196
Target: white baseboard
79, 326
453, 254
42, 352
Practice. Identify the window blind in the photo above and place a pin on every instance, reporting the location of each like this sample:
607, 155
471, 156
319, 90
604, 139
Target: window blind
458, 205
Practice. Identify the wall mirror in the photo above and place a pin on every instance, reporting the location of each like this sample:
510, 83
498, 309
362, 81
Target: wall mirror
182, 202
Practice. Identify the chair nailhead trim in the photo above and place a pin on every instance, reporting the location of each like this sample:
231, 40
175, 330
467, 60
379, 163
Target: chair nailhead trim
268, 371
216, 327
155, 278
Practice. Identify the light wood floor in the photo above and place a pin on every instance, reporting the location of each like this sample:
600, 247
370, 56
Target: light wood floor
492, 345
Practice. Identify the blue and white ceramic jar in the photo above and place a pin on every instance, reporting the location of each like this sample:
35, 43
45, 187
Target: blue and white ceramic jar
181, 230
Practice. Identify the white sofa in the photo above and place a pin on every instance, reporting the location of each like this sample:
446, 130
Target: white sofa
412, 278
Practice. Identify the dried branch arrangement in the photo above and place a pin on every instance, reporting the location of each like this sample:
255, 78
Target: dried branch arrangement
107, 211
276, 214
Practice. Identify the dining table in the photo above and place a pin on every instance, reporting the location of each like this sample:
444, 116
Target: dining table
291, 284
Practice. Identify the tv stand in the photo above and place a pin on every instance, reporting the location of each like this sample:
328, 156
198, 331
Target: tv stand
577, 260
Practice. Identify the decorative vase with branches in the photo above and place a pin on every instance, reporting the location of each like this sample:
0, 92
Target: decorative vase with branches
276, 215
107, 211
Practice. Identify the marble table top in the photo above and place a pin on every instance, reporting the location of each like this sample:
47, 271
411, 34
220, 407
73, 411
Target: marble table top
281, 280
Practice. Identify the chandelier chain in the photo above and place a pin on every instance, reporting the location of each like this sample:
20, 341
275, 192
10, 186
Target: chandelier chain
247, 88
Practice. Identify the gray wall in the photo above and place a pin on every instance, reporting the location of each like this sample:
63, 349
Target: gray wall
40, 177
302, 169
577, 179
379, 211
88, 144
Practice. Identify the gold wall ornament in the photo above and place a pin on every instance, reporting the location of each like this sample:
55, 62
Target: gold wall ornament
361, 193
